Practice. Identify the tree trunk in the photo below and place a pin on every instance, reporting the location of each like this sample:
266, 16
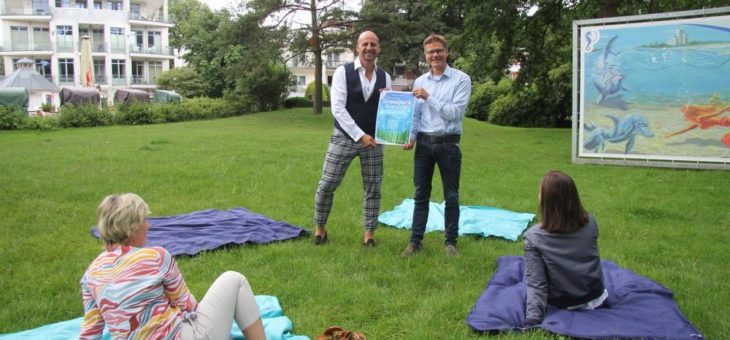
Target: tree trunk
608, 8
317, 50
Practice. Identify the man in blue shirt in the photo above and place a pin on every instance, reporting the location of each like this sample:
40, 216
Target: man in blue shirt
442, 96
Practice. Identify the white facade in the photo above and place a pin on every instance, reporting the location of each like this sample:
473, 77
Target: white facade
302, 67
129, 39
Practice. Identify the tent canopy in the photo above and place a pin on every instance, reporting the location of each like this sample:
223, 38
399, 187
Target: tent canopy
164, 96
78, 96
14, 96
125, 96
28, 78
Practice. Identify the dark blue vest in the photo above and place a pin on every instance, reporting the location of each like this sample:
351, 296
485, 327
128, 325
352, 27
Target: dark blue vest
363, 112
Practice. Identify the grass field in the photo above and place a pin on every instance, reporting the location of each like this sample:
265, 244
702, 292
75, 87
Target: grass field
668, 225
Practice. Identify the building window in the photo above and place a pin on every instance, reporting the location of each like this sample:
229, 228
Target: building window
118, 72
301, 80
19, 38
117, 39
97, 40
66, 70
114, 5
138, 72
40, 7
99, 71
80, 4
97, 4
43, 66
41, 39
154, 42
138, 41
155, 71
63, 4
64, 39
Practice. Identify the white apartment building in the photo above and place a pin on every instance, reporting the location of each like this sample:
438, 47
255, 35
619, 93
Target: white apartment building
302, 67
129, 40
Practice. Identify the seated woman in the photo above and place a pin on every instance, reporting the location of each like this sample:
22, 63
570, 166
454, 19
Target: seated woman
139, 293
561, 253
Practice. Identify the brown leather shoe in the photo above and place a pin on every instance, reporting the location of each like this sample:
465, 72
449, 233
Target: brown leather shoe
369, 243
451, 250
320, 239
411, 249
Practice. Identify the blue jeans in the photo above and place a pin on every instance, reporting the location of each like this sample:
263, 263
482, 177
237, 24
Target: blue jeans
448, 158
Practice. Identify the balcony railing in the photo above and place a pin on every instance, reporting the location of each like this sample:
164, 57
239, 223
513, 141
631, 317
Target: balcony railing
119, 81
96, 47
158, 50
65, 79
333, 63
64, 46
15, 46
142, 80
100, 79
37, 10
153, 17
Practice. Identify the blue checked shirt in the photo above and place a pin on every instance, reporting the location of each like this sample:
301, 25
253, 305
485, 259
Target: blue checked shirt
443, 112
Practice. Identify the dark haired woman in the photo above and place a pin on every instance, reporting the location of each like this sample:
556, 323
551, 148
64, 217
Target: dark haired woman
562, 266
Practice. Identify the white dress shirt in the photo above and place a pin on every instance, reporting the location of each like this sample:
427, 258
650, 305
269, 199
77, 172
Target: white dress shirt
338, 96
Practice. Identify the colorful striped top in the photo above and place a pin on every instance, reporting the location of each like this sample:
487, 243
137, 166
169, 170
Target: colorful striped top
136, 293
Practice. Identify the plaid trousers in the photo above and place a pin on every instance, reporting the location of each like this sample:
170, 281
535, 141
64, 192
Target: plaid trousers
340, 153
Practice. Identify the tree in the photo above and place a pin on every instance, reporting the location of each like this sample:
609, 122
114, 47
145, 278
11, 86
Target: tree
183, 80
326, 29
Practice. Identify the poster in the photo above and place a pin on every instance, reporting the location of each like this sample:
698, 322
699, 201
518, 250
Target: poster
395, 117
655, 90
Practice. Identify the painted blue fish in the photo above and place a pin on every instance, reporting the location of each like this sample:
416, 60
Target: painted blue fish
624, 129
611, 79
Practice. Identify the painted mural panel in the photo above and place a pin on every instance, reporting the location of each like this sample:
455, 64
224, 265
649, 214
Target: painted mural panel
656, 90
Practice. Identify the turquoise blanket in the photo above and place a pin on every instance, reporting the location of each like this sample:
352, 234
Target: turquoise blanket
276, 325
473, 220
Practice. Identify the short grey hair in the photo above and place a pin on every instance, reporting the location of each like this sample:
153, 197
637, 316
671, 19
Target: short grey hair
119, 216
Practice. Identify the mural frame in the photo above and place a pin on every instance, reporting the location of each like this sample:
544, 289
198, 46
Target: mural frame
595, 123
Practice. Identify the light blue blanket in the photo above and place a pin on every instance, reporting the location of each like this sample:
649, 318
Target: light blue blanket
276, 325
473, 220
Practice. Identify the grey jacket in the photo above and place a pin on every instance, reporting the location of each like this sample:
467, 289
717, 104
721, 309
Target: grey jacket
561, 269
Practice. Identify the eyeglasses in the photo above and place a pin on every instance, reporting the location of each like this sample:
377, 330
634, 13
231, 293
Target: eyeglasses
436, 51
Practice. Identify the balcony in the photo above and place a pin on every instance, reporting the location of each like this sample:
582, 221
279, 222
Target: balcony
155, 50
100, 79
151, 17
66, 79
142, 80
96, 47
39, 11
116, 81
64, 46
333, 63
25, 46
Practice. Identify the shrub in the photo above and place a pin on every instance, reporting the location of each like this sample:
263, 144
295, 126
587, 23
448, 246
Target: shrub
297, 102
47, 107
483, 95
41, 123
309, 92
518, 108
83, 115
134, 113
12, 117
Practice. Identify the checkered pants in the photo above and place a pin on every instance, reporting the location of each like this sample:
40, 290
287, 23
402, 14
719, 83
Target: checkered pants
340, 153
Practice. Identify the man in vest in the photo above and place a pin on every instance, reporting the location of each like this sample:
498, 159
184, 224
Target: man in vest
355, 94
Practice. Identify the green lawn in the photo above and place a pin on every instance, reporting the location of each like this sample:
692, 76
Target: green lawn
668, 225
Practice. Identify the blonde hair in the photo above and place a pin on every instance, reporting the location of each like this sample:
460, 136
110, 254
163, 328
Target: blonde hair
119, 216
432, 38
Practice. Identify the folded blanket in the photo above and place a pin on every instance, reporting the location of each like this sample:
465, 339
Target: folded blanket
636, 307
276, 325
473, 220
210, 229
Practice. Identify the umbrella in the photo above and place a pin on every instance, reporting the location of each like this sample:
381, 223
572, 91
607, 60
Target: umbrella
87, 63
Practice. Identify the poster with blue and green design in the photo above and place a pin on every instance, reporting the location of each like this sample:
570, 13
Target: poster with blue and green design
395, 117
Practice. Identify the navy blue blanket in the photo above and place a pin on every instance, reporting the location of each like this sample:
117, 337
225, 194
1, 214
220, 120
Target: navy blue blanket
209, 229
637, 307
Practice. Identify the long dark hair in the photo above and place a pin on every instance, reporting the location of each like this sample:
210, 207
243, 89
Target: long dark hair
560, 205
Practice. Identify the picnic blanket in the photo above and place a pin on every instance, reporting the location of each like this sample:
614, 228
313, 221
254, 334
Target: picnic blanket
209, 229
473, 219
276, 325
637, 307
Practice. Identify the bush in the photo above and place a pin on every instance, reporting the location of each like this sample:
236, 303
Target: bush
309, 92
484, 95
297, 102
83, 116
12, 117
134, 113
47, 107
518, 108
41, 123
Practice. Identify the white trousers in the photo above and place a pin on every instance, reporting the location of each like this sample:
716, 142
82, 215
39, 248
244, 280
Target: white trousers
228, 299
